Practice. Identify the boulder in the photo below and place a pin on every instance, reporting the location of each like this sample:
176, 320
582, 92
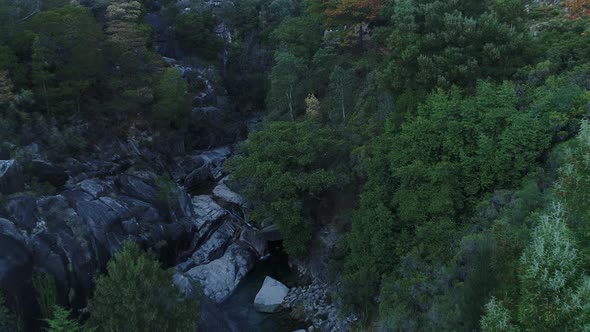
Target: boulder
270, 296
138, 188
101, 218
47, 172
198, 177
221, 277
223, 193
11, 177
93, 187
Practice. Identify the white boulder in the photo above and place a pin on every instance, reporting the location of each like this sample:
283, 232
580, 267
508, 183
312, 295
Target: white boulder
270, 296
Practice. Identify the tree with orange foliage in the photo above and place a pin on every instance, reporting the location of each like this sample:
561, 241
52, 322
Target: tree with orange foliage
357, 10
351, 18
578, 8
337, 12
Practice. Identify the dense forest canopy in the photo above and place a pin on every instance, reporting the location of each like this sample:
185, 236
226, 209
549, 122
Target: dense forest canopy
463, 122
447, 139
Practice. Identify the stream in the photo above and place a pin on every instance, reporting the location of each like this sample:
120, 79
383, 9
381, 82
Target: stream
237, 312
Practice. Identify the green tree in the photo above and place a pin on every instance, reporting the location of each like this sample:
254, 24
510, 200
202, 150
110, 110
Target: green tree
67, 57
301, 36
342, 86
196, 36
574, 186
46, 290
423, 178
322, 65
457, 148
137, 294
560, 103
554, 292
173, 103
287, 86
286, 169
278, 10
61, 322
497, 318
438, 44
562, 43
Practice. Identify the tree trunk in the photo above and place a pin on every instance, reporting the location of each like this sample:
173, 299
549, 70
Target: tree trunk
342, 104
46, 98
290, 97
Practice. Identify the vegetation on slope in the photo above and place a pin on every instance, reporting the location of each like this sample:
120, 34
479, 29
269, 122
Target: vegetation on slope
459, 122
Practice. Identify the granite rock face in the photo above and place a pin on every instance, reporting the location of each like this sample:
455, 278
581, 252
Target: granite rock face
72, 232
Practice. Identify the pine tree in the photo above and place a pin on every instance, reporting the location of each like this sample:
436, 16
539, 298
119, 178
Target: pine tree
287, 92
497, 318
554, 292
61, 322
137, 294
173, 103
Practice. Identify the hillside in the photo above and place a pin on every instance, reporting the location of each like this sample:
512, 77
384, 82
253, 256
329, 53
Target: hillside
274, 165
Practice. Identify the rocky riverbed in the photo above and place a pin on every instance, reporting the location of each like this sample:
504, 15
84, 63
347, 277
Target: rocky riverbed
315, 303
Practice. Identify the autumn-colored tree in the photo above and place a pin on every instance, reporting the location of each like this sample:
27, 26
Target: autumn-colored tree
356, 10
578, 8
337, 12
135, 68
312, 106
350, 18
122, 25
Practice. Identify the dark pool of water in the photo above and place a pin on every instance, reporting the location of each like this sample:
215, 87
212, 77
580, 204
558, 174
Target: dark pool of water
240, 306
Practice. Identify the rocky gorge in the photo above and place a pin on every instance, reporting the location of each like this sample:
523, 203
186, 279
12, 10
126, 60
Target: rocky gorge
66, 217
133, 188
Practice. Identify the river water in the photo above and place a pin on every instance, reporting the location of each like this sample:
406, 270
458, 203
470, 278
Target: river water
239, 307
